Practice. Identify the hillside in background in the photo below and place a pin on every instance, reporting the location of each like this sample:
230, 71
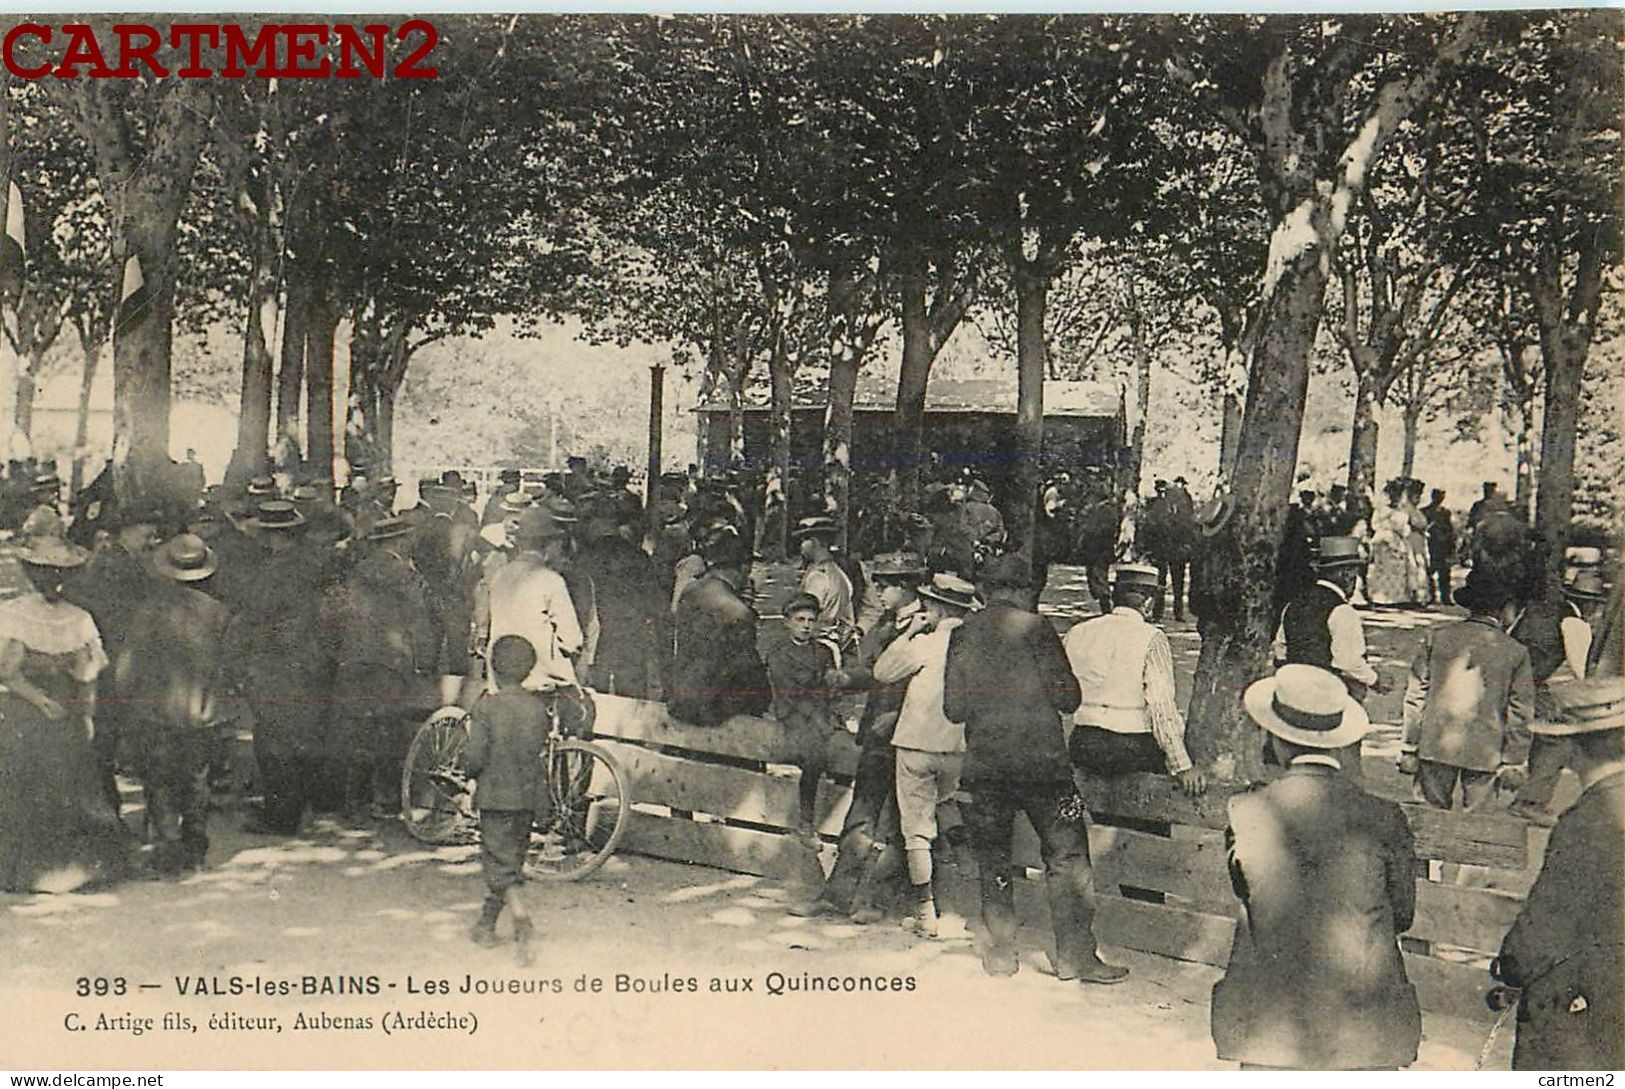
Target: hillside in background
507, 399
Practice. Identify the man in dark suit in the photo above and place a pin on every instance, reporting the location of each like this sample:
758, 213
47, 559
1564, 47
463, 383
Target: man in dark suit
1324, 870
1320, 628
1008, 680
717, 672
1441, 547
1564, 950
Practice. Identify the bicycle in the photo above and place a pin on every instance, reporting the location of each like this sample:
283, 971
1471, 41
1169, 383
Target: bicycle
589, 799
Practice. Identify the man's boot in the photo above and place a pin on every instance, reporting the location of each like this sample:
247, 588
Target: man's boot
922, 916
522, 932
865, 902
485, 931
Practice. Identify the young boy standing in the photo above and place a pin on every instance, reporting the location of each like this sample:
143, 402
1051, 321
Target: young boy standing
802, 671
505, 741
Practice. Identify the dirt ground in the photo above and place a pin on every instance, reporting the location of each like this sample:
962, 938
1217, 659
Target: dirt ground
371, 903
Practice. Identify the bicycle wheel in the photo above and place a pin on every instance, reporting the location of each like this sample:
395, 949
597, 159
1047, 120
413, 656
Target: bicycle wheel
590, 802
436, 805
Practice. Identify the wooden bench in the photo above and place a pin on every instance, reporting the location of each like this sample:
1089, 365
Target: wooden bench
722, 797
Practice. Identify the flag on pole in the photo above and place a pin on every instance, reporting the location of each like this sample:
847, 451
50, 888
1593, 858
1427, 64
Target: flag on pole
133, 295
12, 248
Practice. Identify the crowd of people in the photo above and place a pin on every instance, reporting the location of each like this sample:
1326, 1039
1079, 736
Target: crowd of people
323, 619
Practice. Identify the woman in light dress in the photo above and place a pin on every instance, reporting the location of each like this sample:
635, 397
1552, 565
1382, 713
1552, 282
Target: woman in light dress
1417, 540
1389, 579
61, 830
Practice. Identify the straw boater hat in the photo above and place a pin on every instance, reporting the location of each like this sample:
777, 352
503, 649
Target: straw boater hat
1586, 585
950, 590
1140, 575
262, 485
1307, 706
387, 529
277, 514
897, 565
561, 509
52, 552
818, 525
1213, 515
1338, 552
517, 502
185, 558
1585, 707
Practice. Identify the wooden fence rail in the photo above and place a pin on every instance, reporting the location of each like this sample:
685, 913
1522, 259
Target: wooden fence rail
722, 797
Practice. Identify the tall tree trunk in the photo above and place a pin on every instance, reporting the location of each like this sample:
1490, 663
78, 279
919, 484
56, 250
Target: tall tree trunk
1140, 351
1229, 436
27, 387
1021, 505
781, 373
909, 434
1412, 419
147, 187
82, 420
843, 386
1362, 480
1565, 341
324, 320
142, 345
248, 458
290, 379
1236, 636
1524, 468
386, 431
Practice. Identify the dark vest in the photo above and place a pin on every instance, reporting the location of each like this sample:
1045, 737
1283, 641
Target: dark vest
1308, 636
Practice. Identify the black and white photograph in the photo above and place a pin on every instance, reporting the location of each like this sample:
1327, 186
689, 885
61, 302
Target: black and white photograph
843, 541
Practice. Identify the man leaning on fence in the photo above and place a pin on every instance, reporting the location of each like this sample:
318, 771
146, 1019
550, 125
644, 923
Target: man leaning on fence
1128, 720
1008, 681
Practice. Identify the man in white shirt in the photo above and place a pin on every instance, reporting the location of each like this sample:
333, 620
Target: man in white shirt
1320, 628
823, 578
930, 748
528, 597
1128, 720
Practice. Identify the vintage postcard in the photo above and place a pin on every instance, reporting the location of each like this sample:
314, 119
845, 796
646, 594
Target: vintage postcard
839, 541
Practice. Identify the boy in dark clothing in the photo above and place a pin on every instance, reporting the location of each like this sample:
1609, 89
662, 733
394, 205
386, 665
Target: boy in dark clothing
802, 671
505, 741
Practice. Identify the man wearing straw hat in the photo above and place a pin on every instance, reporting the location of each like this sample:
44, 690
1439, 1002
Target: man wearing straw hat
1324, 870
1564, 951
167, 672
930, 749
1128, 720
1559, 637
